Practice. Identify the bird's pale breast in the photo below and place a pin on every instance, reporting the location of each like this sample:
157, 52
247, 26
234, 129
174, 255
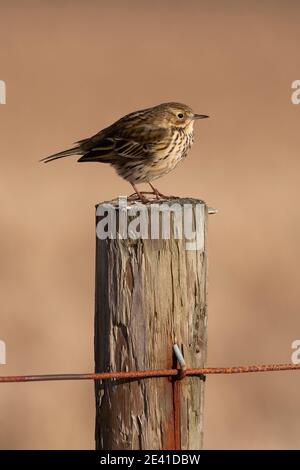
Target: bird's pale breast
165, 155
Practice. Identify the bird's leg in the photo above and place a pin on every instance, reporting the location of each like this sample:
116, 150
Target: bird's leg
157, 193
140, 195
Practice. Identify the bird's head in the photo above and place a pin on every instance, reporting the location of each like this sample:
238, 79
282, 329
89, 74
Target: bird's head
179, 115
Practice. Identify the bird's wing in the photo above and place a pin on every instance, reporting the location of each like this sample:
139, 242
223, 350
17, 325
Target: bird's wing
124, 142
131, 149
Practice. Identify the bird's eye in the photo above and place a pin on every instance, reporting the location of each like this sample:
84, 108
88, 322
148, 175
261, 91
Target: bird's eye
180, 115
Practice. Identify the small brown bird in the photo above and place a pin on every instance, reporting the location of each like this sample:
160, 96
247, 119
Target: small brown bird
141, 146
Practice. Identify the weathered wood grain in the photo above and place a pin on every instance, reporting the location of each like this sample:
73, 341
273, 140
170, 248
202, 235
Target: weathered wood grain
149, 295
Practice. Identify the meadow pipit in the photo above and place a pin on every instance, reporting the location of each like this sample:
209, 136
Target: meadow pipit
141, 146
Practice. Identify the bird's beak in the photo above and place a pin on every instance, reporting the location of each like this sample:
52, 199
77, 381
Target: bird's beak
200, 116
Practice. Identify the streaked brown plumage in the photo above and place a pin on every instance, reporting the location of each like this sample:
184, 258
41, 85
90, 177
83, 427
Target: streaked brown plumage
141, 146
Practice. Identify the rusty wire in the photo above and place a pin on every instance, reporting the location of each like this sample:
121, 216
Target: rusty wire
200, 372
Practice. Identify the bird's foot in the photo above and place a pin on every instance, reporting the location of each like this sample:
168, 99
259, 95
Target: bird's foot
136, 195
158, 194
139, 197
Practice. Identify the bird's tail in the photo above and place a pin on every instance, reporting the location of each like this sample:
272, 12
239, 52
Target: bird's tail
65, 153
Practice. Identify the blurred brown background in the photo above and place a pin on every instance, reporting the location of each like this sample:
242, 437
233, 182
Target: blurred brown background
73, 67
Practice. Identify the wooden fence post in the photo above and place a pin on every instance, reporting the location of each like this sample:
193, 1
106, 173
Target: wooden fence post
150, 294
